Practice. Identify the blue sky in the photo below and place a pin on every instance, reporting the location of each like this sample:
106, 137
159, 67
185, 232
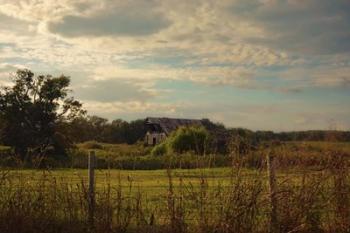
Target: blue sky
261, 64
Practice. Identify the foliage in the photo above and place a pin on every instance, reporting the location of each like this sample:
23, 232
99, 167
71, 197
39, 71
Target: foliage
192, 138
172, 201
91, 145
123, 156
31, 111
160, 149
94, 128
311, 135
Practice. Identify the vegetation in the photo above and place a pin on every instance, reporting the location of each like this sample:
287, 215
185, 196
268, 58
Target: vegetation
137, 156
290, 155
42, 123
94, 128
232, 199
200, 179
31, 110
160, 149
185, 139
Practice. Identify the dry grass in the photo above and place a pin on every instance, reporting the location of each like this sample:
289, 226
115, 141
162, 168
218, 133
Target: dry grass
313, 201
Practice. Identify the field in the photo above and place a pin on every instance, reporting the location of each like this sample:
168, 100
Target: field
152, 183
312, 195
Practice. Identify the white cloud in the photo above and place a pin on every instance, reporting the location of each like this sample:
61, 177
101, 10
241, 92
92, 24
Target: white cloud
6, 70
339, 77
304, 27
281, 46
36, 10
212, 76
198, 28
121, 18
113, 90
318, 76
289, 116
126, 108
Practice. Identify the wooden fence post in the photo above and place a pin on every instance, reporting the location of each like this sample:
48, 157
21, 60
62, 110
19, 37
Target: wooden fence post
273, 227
91, 197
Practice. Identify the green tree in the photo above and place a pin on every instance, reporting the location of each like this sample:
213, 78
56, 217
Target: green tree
136, 130
118, 131
192, 138
31, 111
160, 149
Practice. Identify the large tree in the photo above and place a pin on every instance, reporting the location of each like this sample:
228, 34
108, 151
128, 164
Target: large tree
31, 111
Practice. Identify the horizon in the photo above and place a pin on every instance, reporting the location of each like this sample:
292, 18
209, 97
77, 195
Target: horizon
227, 127
277, 65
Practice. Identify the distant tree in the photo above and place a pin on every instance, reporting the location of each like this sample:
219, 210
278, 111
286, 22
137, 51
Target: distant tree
31, 111
94, 128
219, 136
136, 131
99, 127
211, 126
78, 130
2, 125
118, 131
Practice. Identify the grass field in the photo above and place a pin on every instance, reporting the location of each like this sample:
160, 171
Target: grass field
182, 200
153, 185
116, 150
150, 183
228, 199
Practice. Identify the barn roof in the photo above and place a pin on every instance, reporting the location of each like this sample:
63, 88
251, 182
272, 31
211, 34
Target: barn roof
170, 124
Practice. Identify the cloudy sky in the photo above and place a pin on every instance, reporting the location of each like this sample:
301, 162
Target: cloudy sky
259, 64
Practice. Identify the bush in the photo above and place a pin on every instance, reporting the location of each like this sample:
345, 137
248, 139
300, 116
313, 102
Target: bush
92, 145
189, 139
160, 149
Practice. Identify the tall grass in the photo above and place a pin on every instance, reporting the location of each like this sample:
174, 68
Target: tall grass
137, 157
316, 200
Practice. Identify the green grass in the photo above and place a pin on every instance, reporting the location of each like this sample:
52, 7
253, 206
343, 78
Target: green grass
198, 200
151, 183
114, 150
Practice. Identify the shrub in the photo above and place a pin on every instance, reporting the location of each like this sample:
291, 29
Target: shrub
92, 145
189, 139
160, 149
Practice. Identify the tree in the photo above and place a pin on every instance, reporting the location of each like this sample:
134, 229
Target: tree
1, 128
136, 131
192, 138
99, 127
31, 111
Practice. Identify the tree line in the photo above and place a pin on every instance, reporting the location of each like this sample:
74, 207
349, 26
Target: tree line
95, 128
38, 116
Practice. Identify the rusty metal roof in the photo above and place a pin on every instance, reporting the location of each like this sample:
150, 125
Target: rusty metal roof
170, 124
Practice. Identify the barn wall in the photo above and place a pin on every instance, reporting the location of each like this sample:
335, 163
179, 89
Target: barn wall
154, 138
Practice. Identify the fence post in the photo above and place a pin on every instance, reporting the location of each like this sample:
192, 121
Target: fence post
273, 227
91, 197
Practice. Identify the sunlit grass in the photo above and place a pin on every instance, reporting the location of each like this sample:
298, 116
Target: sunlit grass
151, 183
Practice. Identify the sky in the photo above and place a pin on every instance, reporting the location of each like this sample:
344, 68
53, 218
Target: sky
277, 65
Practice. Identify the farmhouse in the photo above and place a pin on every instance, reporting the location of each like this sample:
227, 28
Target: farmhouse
158, 129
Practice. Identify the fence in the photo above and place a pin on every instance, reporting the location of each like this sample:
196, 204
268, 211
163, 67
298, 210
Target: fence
239, 204
171, 198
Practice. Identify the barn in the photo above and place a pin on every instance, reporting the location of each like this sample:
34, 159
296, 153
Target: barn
158, 129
